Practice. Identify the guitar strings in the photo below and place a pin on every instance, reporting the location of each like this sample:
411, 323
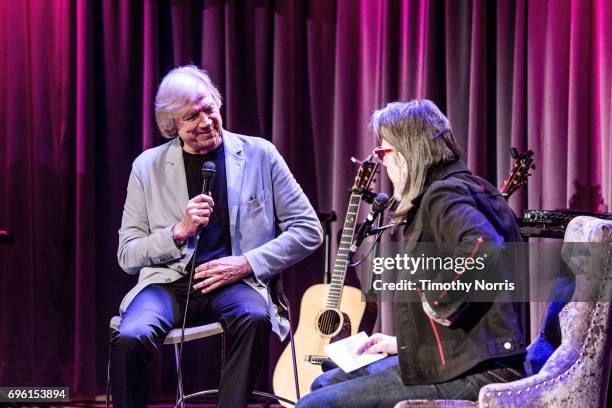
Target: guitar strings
328, 320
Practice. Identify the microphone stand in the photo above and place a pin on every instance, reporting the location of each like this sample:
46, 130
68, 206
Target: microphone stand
179, 372
376, 247
382, 228
208, 174
326, 220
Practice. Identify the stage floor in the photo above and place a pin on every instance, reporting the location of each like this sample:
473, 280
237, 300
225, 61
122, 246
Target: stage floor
97, 404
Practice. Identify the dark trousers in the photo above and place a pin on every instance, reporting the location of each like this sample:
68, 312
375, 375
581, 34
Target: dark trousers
158, 308
379, 385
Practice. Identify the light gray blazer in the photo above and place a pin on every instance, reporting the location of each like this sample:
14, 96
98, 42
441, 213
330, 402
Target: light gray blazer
261, 192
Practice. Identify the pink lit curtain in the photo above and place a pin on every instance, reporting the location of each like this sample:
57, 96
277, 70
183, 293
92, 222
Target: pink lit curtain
77, 80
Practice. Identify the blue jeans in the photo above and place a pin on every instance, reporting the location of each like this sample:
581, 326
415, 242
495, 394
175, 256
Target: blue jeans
380, 385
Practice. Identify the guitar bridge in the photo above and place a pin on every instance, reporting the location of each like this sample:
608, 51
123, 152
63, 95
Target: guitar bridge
316, 360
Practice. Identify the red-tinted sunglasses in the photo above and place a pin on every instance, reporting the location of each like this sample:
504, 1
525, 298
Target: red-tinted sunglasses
380, 152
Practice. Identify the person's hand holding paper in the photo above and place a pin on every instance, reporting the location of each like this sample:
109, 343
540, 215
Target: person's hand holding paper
346, 353
379, 343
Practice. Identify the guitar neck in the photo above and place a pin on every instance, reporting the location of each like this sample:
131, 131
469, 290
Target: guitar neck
342, 257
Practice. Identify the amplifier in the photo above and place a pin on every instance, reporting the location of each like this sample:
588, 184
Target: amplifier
551, 224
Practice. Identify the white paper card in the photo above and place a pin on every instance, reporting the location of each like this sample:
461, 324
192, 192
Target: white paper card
344, 353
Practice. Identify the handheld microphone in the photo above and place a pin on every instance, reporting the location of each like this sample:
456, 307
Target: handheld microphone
379, 204
208, 175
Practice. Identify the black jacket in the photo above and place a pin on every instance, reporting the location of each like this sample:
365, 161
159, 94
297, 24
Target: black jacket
455, 335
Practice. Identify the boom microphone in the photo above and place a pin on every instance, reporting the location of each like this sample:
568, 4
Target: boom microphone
379, 204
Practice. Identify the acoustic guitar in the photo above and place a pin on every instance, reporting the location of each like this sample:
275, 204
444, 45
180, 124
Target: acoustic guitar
328, 312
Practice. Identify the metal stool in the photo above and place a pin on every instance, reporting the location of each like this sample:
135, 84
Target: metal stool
174, 338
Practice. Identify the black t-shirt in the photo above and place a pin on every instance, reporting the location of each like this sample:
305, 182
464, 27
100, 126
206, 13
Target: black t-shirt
215, 240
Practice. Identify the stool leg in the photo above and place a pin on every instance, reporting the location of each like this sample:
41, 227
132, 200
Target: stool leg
292, 342
110, 337
293, 360
180, 394
222, 350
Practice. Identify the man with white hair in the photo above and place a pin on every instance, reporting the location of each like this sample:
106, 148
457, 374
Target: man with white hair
239, 252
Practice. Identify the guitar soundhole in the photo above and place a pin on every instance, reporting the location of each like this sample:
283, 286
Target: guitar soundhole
329, 321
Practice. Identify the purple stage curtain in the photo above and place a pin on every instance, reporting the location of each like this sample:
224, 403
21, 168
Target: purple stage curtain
77, 80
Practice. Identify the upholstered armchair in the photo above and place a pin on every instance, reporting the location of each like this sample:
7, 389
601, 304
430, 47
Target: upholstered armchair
577, 373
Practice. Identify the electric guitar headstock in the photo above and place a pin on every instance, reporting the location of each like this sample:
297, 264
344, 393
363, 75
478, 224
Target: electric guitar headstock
519, 173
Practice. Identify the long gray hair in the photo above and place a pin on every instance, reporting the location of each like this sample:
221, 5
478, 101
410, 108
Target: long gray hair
420, 132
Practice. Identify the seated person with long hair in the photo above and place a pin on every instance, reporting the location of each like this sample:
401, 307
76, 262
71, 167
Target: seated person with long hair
445, 349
